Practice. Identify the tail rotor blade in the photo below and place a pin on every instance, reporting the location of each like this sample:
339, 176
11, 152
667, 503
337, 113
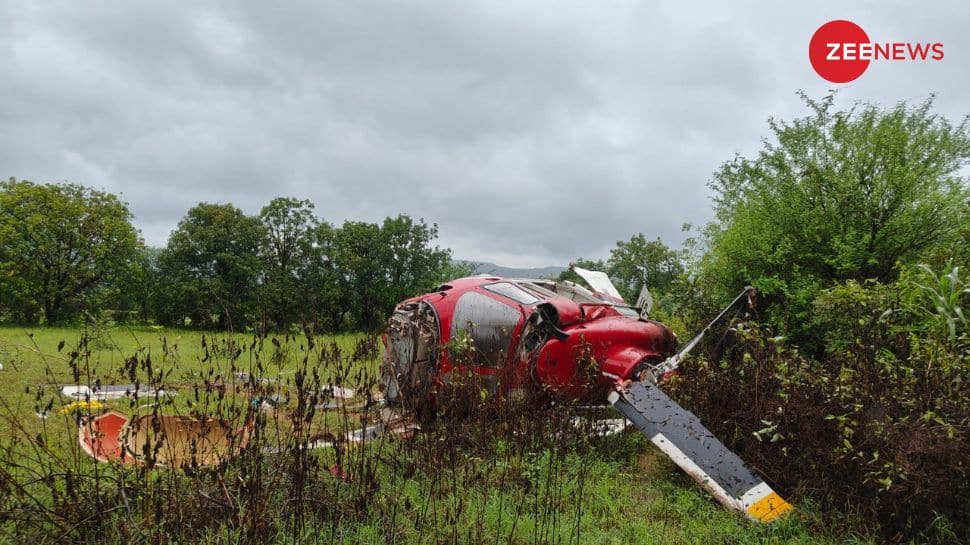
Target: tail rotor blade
680, 435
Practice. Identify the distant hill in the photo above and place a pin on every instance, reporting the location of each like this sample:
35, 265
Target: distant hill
511, 272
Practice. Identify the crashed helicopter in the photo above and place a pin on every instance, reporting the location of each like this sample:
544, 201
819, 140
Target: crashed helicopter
529, 336
532, 335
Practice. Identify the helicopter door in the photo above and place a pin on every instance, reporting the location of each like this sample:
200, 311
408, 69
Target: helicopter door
481, 334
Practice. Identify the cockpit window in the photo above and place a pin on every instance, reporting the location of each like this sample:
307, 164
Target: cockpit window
513, 292
569, 290
536, 289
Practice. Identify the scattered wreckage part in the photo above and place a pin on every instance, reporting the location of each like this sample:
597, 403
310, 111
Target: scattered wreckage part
601, 284
340, 404
101, 436
403, 428
601, 427
82, 405
173, 441
410, 353
245, 377
328, 390
183, 441
114, 391
350, 403
273, 400
274, 403
644, 302
390, 422
398, 424
350, 438
338, 392
681, 436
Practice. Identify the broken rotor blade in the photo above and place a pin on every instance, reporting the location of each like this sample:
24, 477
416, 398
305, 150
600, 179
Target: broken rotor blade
681, 436
673, 362
112, 391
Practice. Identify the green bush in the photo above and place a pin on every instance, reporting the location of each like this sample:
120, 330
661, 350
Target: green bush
879, 425
838, 195
935, 303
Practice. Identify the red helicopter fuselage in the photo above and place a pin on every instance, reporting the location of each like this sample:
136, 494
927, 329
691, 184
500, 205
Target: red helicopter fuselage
554, 336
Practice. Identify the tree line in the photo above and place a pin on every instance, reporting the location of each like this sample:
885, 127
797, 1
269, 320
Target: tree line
69, 253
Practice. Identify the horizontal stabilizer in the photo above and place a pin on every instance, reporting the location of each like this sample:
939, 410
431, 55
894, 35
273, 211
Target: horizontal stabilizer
680, 435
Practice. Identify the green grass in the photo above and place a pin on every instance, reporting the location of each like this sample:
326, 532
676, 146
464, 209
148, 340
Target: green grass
461, 484
29, 353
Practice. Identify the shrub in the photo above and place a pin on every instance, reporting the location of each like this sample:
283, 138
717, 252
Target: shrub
879, 424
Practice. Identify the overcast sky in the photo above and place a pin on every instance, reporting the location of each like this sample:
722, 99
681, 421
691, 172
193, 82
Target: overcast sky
532, 133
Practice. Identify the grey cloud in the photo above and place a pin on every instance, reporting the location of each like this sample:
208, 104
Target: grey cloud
531, 133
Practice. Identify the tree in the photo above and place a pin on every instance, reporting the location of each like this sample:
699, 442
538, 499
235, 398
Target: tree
135, 292
59, 244
839, 195
455, 269
376, 266
636, 263
358, 258
287, 252
210, 268
328, 292
413, 266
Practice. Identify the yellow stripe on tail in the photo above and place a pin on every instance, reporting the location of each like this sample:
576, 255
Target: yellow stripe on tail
768, 508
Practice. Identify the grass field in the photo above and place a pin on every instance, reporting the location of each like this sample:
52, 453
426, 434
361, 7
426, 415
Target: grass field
41, 358
482, 479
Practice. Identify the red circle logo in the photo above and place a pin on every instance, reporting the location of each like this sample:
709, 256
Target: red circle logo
834, 51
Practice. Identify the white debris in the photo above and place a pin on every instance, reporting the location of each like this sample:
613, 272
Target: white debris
603, 427
599, 281
338, 392
115, 391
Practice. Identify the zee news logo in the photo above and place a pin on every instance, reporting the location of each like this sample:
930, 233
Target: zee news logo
840, 51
